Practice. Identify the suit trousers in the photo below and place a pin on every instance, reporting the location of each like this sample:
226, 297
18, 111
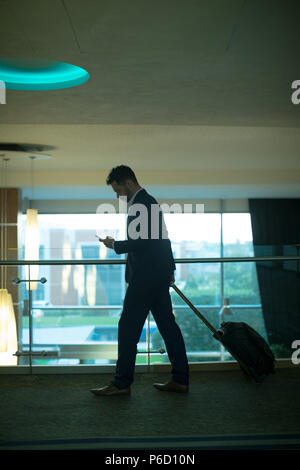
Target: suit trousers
140, 298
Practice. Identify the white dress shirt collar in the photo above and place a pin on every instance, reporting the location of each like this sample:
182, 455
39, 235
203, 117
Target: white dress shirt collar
133, 197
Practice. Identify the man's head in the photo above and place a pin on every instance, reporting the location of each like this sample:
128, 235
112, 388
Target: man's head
123, 181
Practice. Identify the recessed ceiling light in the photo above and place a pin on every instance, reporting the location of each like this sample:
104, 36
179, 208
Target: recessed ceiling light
11, 149
39, 74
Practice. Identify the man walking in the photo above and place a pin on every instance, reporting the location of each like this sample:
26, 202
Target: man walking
149, 270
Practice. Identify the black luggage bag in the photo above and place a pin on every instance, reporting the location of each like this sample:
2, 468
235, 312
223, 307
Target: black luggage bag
245, 345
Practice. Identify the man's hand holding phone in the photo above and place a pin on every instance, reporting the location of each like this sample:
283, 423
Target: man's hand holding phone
108, 241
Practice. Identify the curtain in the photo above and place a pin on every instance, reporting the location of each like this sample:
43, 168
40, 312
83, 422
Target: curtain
276, 232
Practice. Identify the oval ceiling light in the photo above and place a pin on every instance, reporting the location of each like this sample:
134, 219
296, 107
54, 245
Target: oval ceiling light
11, 149
39, 74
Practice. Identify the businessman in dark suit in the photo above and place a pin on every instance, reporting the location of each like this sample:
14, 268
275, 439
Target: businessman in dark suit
149, 271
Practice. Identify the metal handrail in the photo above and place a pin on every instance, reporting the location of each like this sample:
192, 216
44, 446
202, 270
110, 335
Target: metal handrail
118, 307
123, 261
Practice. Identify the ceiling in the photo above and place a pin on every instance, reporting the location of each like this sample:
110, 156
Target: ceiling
185, 92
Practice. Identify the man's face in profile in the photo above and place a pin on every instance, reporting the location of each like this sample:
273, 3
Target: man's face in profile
122, 189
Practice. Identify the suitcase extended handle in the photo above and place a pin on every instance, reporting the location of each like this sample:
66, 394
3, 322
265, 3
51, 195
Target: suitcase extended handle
215, 332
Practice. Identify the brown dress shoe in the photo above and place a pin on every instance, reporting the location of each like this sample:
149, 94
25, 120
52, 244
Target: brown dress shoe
172, 387
110, 390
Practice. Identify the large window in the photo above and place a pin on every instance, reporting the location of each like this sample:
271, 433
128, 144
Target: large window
76, 313
208, 284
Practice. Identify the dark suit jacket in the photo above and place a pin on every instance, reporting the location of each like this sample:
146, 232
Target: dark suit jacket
147, 258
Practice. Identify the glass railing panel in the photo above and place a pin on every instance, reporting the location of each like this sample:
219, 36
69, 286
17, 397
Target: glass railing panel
279, 288
240, 283
200, 282
263, 294
76, 313
199, 342
71, 316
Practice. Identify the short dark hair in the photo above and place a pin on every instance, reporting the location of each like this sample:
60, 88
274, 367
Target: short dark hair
120, 174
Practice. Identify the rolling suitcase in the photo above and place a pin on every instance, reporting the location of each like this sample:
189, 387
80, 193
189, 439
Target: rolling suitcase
245, 345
